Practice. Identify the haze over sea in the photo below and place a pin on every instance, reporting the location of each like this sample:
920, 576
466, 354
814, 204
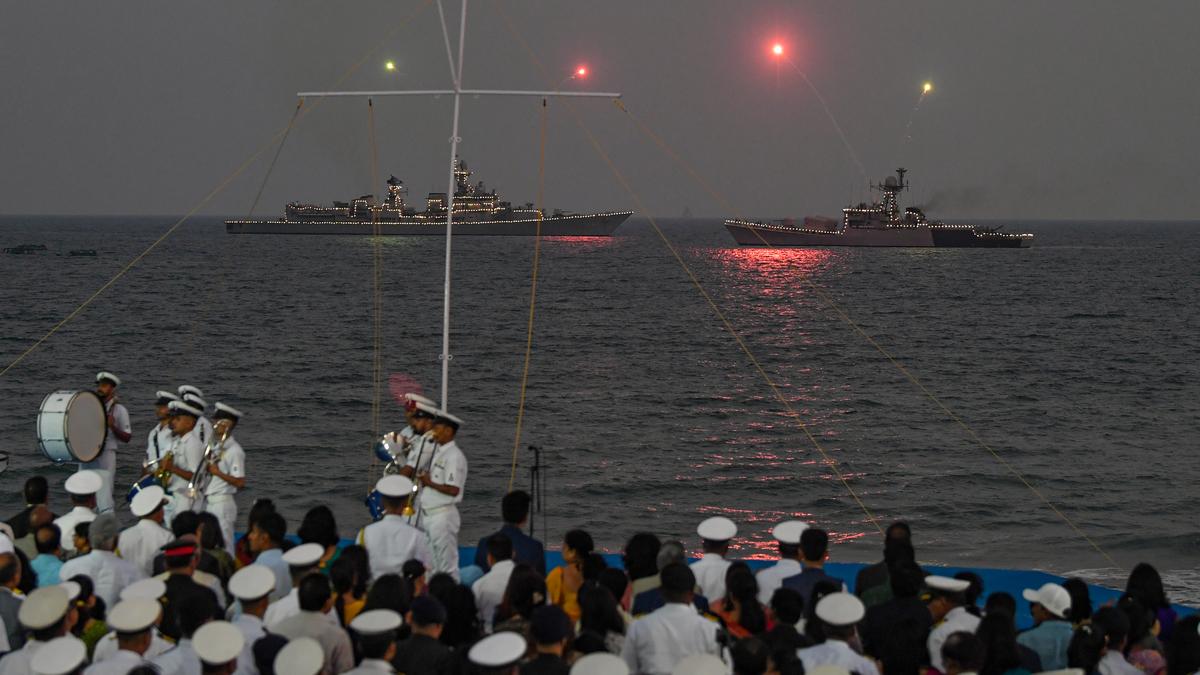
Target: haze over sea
1076, 361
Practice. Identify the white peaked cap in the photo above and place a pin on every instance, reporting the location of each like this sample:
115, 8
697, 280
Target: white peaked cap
196, 400
789, 531
498, 650
185, 407
841, 609
6, 544
302, 656
830, 669
218, 642
1053, 597
149, 589
430, 407
304, 555
189, 389
419, 399
134, 615
252, 582
59, 656
85, 482
394, 486
442, 414
72, 589
229, 410
947, 584
700, 664
170, 396
147, 500
43, 607
717, 528
105, 375
600, 663
376, 622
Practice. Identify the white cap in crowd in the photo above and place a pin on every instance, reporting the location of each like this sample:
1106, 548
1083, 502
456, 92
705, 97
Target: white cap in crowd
149, 589
1053, 597
134, 615
252, 582
789, 531
85, 482
394, 486
498, 650
717, 528
44, 607
840, 609
148, 500
947, 584
700, 664
600, 663
304, 555
60, 656
376, 622
302, 656
105, 375
218, 642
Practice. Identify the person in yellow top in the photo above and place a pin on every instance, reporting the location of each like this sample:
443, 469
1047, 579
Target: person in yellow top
563, 582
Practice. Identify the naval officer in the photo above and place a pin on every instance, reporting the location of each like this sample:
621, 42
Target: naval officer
771, 578
419, 422
375, 632
150, 589
187, 452
140, 542
390, 541
82, 487
715, 532
133, 621
839, 614
252, 586
441, 489
949, 614
193, 395
119, 431
218, 645
228, 472
158, 441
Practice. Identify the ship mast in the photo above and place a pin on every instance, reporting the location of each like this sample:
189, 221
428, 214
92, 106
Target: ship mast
456, 68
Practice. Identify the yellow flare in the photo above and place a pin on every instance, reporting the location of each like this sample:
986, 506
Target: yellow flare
927, 87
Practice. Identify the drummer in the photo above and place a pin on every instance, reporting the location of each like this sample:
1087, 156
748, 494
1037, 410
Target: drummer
228, 472
119, 431
186, 454
159, 440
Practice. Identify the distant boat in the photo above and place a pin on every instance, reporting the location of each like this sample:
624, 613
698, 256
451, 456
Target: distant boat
476, 212
877, 224
25, 249
83, 252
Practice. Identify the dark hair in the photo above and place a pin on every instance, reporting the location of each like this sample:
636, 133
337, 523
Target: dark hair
1145, 583
999, 638
750, 656
80, 500
82, 530
814, 628
966, 650
375, 646
439, 584
999, 601
314, 592
896, 551
500, 547
788, 605
1115, 625
741, 588
789, 551
971, 595
814, 542
1183, 651
1141, 617
265, 649
1086, 648
389, 591
614, 580
598, 610
462, 616
678, 581
590, 642
210, 536
1081, 600
193, 608
185, 522
36, 490
273, 525
514, 507
906, 579
9, 567
360, 561
579, 541
260, 508
48, 538
901, 527
593, 565
319, 527
344, 579
641, 555
526, 591
412, 569
29, 577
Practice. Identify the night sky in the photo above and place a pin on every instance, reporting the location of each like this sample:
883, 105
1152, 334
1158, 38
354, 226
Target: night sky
1066, 109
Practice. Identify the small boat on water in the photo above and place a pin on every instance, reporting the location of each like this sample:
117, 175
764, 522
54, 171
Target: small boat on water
878, 224
83, 253
25, 249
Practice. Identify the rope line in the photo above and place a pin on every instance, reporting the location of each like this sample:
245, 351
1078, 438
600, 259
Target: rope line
274, 160
213, 193
537, 250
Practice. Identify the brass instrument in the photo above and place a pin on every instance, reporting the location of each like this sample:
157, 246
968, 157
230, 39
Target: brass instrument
410, 508
157, 468
201, 477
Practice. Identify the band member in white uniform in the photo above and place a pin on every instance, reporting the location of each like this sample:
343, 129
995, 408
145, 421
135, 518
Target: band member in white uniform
193, 395
187, 452
119, 432
420, 447
419, 420
391, 542
228, 472
441, 489
160, 438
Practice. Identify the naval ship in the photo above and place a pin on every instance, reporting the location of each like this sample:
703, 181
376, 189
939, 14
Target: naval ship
477, 211
877, 224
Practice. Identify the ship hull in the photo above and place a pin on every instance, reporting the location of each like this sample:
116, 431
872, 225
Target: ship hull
594, 225
761, 234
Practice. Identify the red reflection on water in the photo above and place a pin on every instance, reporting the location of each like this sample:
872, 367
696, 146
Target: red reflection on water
795, 262
581, 243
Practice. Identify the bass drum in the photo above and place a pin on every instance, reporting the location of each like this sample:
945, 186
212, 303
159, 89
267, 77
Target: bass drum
72, 426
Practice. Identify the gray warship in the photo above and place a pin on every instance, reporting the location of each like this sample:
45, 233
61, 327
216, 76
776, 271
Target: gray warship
477, 211
877, 224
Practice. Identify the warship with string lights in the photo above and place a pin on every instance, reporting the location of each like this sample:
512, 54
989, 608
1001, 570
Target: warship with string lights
877, 224
476, 211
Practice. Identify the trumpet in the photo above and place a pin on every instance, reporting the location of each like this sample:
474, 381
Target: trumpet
410, 508
157, 468
201, 477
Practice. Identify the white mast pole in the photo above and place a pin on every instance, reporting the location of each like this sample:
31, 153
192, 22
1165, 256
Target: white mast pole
457, 73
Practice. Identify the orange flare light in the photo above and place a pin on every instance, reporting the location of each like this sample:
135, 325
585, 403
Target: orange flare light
777, 50
581, 71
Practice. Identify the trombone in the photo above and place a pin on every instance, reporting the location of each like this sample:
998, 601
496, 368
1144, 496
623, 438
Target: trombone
201, 477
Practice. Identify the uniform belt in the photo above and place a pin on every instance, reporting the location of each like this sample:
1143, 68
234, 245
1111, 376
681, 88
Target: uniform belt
436, 509
217, 499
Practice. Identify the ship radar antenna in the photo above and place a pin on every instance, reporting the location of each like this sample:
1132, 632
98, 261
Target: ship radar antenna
900, 172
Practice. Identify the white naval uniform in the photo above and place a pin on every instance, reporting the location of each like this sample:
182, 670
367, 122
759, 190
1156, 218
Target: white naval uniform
489, 591
836, 653
371, 667
252, 629
140, 542
391, 542
771, 578
421, 451
120, 663
710, 575
439, 512
105, 463
658, 641
218, 498
66, 525
205, 427
107, 646
179, 660
158, 441
188, 454
18, 662
289, 606
109, 574
957, 619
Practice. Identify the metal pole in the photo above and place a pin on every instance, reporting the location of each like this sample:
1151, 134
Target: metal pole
446, 356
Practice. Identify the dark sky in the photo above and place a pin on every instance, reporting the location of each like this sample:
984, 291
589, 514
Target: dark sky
1061, 109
